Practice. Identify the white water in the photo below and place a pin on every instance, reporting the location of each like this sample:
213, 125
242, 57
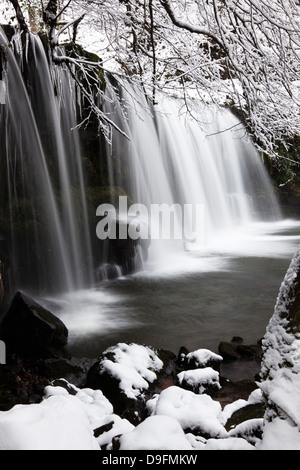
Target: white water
174, 159
168, 160
44, 175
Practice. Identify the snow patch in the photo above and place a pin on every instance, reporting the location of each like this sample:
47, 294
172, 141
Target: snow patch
193, 412
156, 433
58, 423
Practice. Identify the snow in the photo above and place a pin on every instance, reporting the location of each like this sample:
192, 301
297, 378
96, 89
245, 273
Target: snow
281, 367
58, 423
117, 427
228, 444
94, 403
231, 408
202, 357
192, 411
133, 366
248, 430
71, 418
156, 433
200, 379
280, 434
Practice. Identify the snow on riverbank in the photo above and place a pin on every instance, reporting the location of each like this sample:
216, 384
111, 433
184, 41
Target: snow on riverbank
73, 419
177, 419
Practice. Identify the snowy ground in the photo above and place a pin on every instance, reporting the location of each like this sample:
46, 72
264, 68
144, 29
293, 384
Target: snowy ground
178, 419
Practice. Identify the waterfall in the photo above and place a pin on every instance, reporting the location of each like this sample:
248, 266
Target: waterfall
204, 159
168, 159
43, 193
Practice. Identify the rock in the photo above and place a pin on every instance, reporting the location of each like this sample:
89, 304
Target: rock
237, 340
128, 374
204, 380
246, 413
235, 350
74, 370
201, 358
30, 330
229, 350
232, 391
19, 385
252, 350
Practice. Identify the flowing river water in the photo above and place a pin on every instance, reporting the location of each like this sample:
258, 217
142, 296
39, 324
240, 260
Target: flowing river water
196, 300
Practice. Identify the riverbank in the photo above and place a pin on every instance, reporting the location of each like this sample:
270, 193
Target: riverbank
126, 385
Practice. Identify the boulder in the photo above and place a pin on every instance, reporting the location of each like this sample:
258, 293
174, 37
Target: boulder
128, 374
30, 330
237, 350
202, 380
200, 358
229, 350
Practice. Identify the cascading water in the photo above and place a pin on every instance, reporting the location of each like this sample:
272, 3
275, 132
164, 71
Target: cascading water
175, 160
168, 160
55, 174
43, 192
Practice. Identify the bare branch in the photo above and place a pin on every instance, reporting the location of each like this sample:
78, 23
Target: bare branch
20, 16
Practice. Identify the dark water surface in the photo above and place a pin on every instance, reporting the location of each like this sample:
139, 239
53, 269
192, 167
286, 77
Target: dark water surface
196, 302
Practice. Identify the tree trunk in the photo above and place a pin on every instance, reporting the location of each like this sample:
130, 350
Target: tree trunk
19, 15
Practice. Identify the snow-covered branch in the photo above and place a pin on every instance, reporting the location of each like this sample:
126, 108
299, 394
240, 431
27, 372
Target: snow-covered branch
239, 53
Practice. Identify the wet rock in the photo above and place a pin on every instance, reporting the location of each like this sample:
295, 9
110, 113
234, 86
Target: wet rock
237, 340
251, 350
32, 331
229, 350
236, 350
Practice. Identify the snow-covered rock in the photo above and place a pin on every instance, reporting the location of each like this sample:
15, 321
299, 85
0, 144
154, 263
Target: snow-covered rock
196, 413
199, 380
249, 430
233, 443
109, 427
58, 423
132, 366
202, 358
156, 433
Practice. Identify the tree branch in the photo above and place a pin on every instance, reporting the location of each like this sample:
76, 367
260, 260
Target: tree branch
20, 16
188, 26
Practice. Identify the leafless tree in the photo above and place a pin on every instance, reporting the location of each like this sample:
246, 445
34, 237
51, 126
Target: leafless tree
238, 53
